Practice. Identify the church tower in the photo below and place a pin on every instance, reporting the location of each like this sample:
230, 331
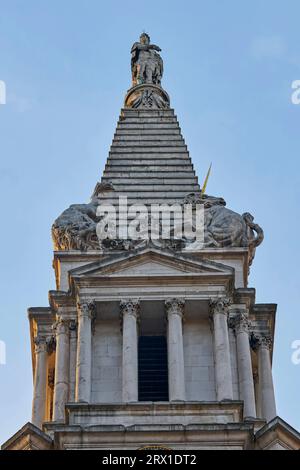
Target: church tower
153, 339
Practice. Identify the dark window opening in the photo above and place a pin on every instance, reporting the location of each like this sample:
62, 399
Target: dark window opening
153, 368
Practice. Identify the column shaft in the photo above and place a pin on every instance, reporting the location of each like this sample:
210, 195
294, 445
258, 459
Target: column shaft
130, 311
266, 387
174, 310
40, 382
223, 374
245, 373
84, 353
62, 360
257, 394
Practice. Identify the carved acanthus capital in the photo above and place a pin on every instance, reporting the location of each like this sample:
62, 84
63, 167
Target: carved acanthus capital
130, 307
61, 325
240, 323
175, 306
219, 306
40, 343
51, 344
262, 341
87, 309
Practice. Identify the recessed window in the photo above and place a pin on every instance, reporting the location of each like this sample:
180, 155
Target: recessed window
153, 368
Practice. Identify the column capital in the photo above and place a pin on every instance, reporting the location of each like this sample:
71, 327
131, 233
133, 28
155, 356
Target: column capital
40, 343
51, 344
61, 325
240, 323
87, 308
175, 306
44, 343
219, 305
73, 325
130, 307
263, 342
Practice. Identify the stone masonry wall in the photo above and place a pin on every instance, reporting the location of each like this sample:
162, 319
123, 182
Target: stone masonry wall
199, 361
107, 363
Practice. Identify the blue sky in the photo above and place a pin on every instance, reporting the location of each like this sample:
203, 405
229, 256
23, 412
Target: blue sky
228, 69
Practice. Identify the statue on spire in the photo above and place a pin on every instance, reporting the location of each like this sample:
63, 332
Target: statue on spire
146, 63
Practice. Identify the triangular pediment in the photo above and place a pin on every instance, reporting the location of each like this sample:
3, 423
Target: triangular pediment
151, 262
150, 267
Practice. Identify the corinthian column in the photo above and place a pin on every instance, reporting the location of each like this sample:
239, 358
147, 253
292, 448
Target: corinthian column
174, 312
62, 360
246, 383
129, 310
40, 381
84, 352
266, 388
223, 376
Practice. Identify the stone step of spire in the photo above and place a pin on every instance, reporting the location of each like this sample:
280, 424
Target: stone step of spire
153, 143
147, 120
151, 189
143, 149
174, 131
149, 168
183, 156
134, 180
147, 200
152, 161
148, 126
142, 113
166, 175
143, 193
148, 138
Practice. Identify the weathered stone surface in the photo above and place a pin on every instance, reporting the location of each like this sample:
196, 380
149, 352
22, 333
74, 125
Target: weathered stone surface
219, 311
129, 310
241, 326
263, 345
40, 381
174, 312
86, 312
62, 361
75, 228
224, 227
107, 362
